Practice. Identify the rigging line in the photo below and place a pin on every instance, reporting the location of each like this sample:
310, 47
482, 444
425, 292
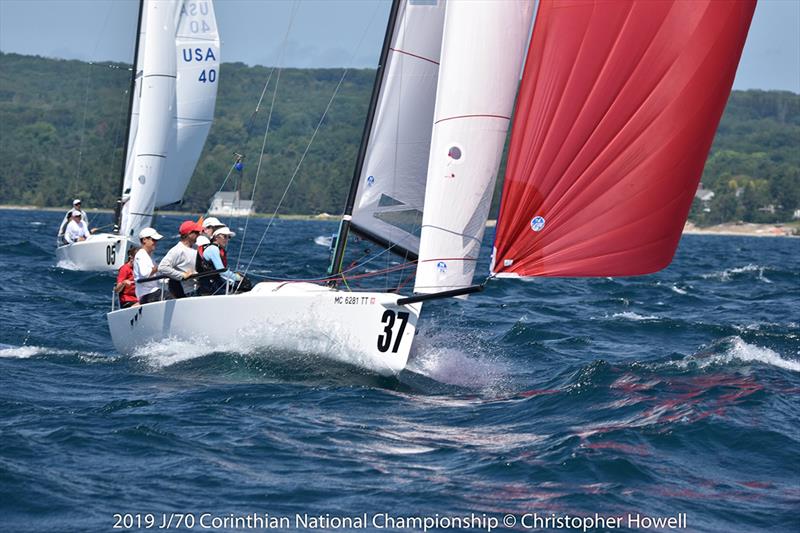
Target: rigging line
337, 277
230, 171
310, 142
83, 124
247, 127
266, 132
118, 130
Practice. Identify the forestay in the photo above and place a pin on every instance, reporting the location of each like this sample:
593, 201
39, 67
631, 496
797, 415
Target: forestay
391, 189
616, 114
482, 51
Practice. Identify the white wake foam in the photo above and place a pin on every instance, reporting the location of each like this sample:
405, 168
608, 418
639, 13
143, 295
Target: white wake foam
743, 351
630, 315
24, 352
740, 351
438, 358
678, 290
323, 240
164, 353
66, 264
286, 340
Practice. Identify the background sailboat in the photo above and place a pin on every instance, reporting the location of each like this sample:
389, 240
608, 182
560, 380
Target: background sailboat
173, 94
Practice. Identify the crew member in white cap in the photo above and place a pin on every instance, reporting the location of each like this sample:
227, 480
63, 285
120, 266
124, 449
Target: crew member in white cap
144, 267
77, 230
76, 206
213, 257
210, 225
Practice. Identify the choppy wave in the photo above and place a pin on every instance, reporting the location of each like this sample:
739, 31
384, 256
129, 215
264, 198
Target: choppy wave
739, 272
574, 395
736, 350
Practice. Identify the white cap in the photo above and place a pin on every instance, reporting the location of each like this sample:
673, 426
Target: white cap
210, 222
75, 213
202, 240
150, 232
76, 201
224, 230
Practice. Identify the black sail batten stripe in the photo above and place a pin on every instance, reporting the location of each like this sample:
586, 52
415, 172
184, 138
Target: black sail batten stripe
151, 155
391, 246
132, 90
160, 76
344, 227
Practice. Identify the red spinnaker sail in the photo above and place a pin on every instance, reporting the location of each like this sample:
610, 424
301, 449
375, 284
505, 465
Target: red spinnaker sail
616, 113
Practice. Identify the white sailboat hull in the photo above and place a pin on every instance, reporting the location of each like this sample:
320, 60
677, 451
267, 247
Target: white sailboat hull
368, 329
103, 252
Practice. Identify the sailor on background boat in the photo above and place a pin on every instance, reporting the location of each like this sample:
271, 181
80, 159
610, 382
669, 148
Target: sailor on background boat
179, 263
212, 257
126, 285
143, 267
76, 206
77, 229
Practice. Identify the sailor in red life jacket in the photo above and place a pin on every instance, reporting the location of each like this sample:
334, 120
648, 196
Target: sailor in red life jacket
126, 287
212, 257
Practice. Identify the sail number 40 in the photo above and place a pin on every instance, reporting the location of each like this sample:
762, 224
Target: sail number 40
208, 77
385, 338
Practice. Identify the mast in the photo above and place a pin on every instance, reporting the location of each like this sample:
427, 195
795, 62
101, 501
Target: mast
344, 226
131, 96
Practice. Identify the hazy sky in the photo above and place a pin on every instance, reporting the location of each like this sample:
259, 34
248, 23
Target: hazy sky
324, 33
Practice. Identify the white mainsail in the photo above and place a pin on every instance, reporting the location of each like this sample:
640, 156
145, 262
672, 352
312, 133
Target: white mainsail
156, 112
482, 51
197, 54
391, 190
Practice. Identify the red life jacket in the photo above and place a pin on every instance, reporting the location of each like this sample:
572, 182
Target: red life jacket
212, 283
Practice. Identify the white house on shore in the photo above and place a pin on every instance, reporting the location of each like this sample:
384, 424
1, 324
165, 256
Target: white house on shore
230, 204
705, 196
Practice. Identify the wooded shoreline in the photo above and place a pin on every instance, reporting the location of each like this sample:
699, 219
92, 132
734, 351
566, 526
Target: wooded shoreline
729, 229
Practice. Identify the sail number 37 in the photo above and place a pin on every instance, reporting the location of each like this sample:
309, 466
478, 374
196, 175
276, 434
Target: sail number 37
385, 338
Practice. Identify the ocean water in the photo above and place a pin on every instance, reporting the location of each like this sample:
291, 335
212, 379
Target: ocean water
675, 394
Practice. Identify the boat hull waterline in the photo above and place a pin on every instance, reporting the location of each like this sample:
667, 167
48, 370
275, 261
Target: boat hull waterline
365, 329
103, 252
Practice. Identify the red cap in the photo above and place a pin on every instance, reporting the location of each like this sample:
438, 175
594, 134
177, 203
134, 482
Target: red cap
189, 226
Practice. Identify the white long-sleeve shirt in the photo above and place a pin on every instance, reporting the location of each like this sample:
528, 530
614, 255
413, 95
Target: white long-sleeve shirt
76, 230
143, 268
179, 259
63, 228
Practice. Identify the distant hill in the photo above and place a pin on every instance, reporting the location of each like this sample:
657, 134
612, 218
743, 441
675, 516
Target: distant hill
62, 128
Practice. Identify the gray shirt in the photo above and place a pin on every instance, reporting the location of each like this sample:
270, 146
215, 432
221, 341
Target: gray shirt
179, 259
